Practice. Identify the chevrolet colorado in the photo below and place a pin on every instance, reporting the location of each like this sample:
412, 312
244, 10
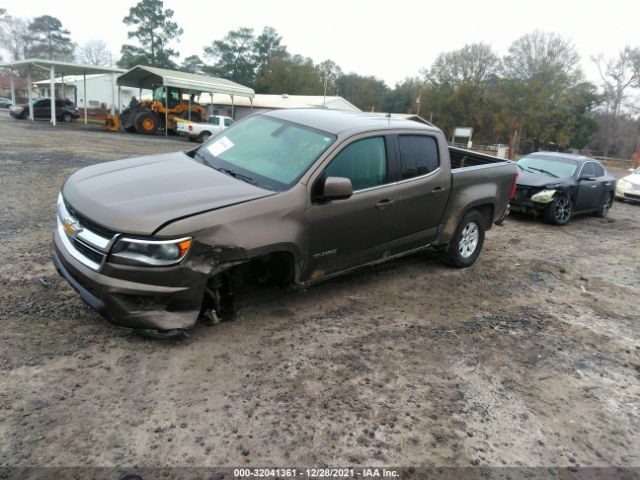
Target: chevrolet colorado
289, 196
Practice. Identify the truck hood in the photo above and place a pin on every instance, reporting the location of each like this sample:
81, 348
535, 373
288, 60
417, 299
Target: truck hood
138, 195
528, 179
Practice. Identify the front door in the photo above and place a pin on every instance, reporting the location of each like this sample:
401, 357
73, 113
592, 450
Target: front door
354, 231
589, 189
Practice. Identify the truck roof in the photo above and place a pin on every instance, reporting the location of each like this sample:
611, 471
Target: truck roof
339, 122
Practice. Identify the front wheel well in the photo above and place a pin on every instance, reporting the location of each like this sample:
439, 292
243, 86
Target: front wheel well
275, 269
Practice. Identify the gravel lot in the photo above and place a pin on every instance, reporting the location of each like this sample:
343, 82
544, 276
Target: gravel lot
529, 358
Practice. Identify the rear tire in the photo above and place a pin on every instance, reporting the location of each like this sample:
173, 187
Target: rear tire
147, 123
67, 118
204, 136
606, 206
559, 210
467, 241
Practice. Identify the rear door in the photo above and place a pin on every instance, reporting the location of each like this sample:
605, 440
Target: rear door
351, 232
422, 191
590, 188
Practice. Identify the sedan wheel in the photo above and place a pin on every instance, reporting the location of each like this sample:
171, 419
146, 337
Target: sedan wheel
606, 206
67, 117
559, 211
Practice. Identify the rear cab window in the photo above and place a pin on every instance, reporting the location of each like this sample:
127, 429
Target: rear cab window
418, 155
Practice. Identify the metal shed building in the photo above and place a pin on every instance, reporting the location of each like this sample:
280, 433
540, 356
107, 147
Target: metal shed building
54, 68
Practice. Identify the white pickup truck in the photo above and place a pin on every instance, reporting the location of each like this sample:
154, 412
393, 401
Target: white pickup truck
200, 132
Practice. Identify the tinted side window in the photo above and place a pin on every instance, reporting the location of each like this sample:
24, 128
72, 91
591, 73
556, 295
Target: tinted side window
228, 122
364, 162
599, 170
587, 170
214, 121
418, 155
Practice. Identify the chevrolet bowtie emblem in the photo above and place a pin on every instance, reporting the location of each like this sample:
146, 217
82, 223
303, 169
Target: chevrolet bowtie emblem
71, 227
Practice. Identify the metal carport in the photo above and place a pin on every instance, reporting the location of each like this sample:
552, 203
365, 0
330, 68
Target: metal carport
149, 78
61, 68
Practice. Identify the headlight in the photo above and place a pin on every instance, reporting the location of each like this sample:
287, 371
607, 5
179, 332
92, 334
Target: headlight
545, 196
157, 253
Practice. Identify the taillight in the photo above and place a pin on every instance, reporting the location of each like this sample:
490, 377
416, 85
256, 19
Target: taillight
513, 187
190, 128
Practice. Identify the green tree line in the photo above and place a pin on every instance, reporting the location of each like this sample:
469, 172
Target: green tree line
535, 94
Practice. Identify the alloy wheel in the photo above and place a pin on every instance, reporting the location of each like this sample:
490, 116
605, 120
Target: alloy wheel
563, 209
468, 240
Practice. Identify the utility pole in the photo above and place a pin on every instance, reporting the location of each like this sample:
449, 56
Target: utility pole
512, 137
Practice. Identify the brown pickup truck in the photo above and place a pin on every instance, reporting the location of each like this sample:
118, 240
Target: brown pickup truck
290, 196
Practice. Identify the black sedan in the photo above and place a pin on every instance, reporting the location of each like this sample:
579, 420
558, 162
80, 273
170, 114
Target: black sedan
65, 110
559, 185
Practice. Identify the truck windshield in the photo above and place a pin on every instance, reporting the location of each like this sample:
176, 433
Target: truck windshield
270, 152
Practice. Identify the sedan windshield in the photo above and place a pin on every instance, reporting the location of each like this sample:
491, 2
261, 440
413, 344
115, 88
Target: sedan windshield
552, 167
266, 151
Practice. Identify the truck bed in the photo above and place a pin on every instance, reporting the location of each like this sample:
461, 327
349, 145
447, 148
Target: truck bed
461, 158
482, 180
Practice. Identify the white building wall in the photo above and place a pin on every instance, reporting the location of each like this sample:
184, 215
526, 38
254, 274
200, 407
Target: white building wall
99, 91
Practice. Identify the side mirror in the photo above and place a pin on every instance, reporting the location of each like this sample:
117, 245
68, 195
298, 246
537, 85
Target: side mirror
337, 188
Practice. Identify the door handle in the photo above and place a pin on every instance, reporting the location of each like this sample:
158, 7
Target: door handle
382, 204
438, 190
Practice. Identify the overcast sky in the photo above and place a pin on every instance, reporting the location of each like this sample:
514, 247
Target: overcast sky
390, 39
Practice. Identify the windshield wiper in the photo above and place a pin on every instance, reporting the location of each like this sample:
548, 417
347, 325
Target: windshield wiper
234, 174
202, 157
544, 171
237, 175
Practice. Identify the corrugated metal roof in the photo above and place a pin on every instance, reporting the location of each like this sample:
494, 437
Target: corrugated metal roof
61, 68
290, 101
142, 76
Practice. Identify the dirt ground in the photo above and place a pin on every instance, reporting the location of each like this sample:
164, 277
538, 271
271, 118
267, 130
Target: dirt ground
529, 358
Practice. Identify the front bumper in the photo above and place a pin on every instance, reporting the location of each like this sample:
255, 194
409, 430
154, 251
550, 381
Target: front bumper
527, 206
146, 298
628, 193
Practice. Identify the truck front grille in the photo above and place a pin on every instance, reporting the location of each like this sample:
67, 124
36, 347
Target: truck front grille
85, 241
87, 251
86, 223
